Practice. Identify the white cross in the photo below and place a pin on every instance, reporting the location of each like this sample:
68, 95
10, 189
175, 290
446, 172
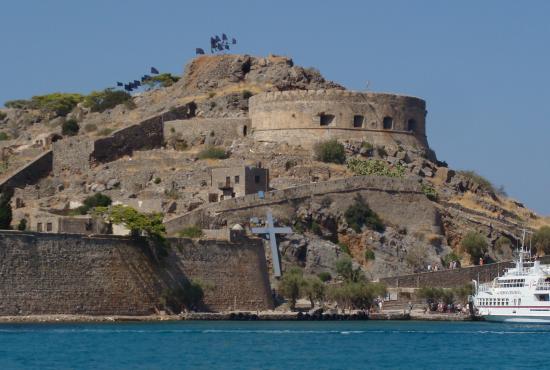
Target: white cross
271, 232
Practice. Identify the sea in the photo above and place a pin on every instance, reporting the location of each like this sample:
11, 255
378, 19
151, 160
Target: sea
275, 345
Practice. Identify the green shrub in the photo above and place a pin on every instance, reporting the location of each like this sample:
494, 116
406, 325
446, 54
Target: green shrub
541, 239
100, 101
93, 201
359, 215
247, 94
502, 241
70, 128
191, 232
356, 295
382, 151
481, 181
213, 152
330, 152
369, 255
59, 103
2, 116
22, 226
316, 228
429, 192
374, 167
3, 136
90, 127
345, 248
157, 180
324, 276
211, 94
475, 244
367, 145
161, 80
344, 268
451, 257
105, 132
290, 163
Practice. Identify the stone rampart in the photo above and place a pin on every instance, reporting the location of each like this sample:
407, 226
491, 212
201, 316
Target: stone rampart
29, 174
108, 275
306, 117
77, 155
210, 131
398, 201
451, 278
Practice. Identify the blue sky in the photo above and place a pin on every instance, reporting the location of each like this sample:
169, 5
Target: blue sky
482, 66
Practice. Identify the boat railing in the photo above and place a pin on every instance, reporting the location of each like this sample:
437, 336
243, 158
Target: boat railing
543, 286
484, 288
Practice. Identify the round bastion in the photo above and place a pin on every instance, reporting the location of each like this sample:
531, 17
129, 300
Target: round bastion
305, 117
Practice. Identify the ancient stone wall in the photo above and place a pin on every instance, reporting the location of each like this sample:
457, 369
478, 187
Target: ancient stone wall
210, 131
72, 155
146, 135
450, 278
108, 275
397, 201
33, 171
306, 117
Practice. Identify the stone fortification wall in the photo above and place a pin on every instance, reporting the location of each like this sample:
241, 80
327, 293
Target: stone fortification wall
397, 201
30, 173
210, 131
306, 117
77, 155
75, 274
451, 278
72, 155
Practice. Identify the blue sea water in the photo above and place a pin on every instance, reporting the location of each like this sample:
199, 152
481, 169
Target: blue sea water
275, 345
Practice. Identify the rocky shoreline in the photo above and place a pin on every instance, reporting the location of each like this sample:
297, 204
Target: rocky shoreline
235, 316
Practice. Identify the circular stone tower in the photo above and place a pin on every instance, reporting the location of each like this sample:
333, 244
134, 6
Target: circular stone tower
304, 117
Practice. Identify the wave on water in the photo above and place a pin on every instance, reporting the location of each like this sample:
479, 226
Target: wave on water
23, 330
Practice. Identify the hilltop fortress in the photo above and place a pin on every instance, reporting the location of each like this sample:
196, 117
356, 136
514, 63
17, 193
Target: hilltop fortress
310, 116
261, 117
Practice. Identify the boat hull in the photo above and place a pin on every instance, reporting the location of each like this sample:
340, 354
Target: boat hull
518, 319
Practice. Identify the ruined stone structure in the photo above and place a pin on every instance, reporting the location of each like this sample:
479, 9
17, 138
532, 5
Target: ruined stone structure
397, 201
42, 221
209, 131
306, 117
231, 182
75, 274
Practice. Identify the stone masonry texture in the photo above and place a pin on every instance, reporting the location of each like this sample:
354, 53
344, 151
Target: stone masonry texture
75, 274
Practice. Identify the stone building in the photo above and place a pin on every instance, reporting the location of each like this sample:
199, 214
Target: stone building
231, 182
46, 222
306, 117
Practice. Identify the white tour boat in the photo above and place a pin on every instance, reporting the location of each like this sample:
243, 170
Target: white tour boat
520, 295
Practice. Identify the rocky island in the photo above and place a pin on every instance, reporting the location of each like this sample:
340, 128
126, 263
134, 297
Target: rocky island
132, 205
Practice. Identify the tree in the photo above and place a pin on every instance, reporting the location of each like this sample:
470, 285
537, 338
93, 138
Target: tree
161, 80
314, 289
359, 215
100, 101
96, 200
330, 152
344, 268
541, 239
356, 295
138, 223
290, 285
70, 128
475, 244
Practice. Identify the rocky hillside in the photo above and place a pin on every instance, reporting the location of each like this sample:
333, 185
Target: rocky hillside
174, 180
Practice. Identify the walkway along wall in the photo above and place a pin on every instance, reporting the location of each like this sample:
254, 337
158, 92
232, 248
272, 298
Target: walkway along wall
106, 275
29, 174
451, 278
397, 201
